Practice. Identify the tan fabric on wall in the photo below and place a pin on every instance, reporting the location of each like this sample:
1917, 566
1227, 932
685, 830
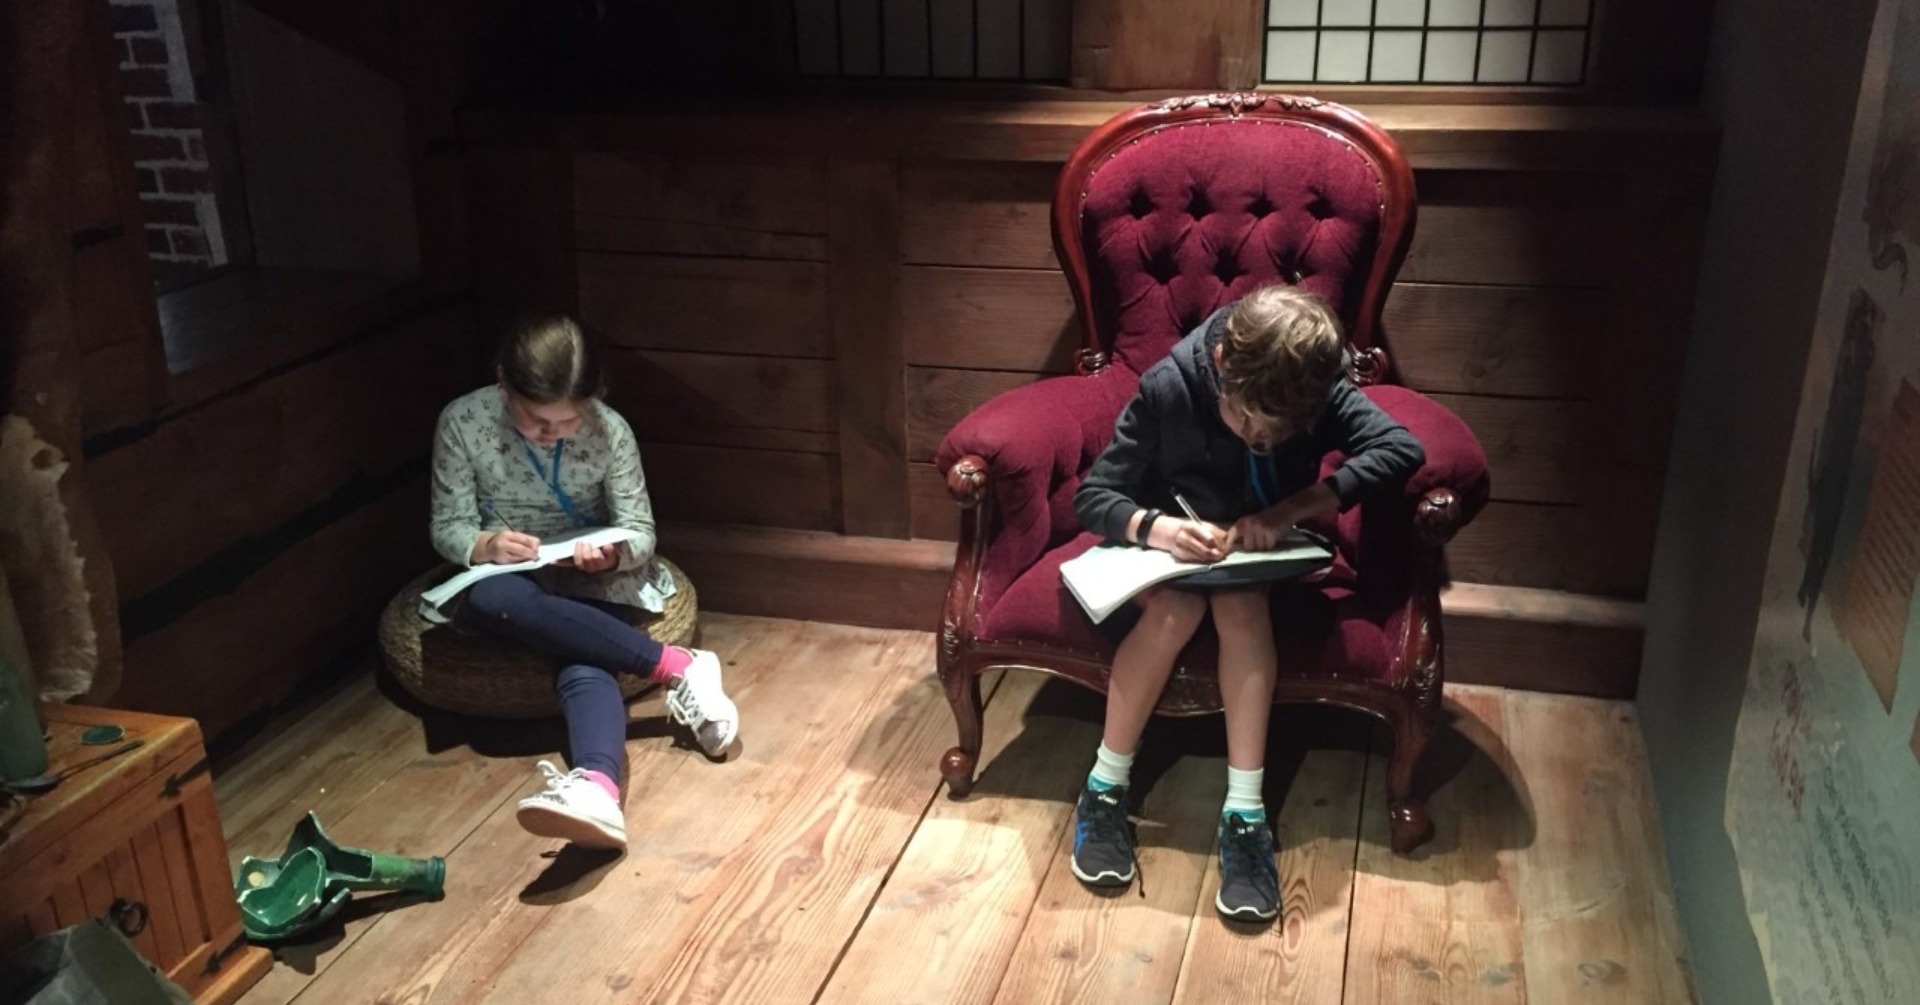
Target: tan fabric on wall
44, 570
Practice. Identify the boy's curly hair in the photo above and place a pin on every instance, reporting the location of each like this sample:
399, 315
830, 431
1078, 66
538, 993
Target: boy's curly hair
1282, 354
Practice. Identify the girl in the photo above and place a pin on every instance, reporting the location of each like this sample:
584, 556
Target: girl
536, 454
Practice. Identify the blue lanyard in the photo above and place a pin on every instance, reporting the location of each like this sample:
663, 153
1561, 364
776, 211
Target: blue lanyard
1260, 490
553, 479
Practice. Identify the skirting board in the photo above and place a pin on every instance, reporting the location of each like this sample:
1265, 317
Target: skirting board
1540, 640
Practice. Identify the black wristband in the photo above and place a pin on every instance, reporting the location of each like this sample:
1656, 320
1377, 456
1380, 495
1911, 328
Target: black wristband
1146, 524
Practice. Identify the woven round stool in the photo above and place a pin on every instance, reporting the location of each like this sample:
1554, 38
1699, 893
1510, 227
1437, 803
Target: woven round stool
459, 669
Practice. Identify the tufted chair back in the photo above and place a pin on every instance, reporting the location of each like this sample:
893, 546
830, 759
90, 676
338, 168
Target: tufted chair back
1164, 215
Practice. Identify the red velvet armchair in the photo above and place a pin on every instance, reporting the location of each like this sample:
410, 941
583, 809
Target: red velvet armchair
1160, 216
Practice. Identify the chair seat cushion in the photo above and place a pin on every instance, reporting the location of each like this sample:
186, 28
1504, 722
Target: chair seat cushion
1323, 630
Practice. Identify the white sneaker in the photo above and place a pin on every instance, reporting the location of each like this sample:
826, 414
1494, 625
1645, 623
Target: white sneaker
698, 701
574, 808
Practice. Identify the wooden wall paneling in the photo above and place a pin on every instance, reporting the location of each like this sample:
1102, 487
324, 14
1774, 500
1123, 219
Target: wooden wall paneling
521, 213
1519, 341
766, 402
877, 582
868, 347
728, 485
1203, 45
1536, 447
1542, 640
708, 304
1511, 245
451, 51
238, 469
123, 376
994, 215
1516, 228
936, 516
241, 651
1637, 378
939, 398
731, 207
990, 319
1649, 49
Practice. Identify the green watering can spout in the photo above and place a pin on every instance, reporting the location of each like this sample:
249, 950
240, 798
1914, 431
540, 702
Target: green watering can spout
313, 879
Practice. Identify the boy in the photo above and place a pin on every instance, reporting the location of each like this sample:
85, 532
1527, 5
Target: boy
1235, 422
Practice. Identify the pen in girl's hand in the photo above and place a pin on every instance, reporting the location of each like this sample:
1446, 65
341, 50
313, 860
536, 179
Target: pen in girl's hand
495, 510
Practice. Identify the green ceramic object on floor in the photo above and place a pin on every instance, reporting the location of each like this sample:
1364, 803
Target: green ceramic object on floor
310, 881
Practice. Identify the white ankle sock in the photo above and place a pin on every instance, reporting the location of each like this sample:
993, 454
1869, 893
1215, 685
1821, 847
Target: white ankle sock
1110, 770
1243, 793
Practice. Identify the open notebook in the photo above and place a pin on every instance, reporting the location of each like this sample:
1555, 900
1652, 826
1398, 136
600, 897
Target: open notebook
1109, 575
557, 548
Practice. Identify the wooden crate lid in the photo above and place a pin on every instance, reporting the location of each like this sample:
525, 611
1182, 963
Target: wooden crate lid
167, 744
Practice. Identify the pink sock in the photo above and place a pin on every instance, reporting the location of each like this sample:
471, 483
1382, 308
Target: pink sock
673, 664
601, 779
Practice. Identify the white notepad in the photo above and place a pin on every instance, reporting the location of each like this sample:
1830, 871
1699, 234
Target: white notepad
1108, 575
557, 548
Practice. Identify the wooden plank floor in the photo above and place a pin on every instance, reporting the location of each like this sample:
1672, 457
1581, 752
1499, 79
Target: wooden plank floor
821, 863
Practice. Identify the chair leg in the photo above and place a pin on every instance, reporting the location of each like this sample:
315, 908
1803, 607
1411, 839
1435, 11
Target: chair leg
1409, 827
959, 763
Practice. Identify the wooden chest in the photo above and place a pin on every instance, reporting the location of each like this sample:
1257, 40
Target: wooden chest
137, 837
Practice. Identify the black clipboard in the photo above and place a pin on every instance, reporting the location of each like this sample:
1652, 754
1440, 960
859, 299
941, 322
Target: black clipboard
1278, 570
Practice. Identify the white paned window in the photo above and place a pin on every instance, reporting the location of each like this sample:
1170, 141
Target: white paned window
1444, 42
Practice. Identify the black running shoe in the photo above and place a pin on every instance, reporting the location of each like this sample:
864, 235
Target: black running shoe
1102, 838
1249, 879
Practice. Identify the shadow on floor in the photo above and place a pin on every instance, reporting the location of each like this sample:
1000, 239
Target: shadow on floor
1463, 756
522, 738
302, 954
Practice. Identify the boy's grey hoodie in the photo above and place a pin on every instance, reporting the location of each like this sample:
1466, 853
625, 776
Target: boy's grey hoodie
1170, 437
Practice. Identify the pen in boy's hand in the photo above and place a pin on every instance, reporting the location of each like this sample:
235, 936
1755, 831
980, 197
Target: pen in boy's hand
1187, 508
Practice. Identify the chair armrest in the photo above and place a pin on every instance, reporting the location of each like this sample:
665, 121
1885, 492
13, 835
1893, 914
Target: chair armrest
1052, 426
1014, 463
1452, 486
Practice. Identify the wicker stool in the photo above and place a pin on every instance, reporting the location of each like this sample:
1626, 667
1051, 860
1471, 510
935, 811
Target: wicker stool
461, 670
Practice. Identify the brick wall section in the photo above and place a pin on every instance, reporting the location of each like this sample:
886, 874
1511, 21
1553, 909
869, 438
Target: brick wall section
168, 144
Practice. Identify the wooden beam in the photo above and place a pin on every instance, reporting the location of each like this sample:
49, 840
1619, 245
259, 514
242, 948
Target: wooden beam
868, 348
1528, 136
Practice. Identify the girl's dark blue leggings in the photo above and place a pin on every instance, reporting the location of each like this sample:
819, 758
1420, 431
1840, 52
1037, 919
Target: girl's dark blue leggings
593, 644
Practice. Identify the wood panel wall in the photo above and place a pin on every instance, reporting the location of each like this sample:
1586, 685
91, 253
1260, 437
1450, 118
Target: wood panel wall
251, 514
801, 322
